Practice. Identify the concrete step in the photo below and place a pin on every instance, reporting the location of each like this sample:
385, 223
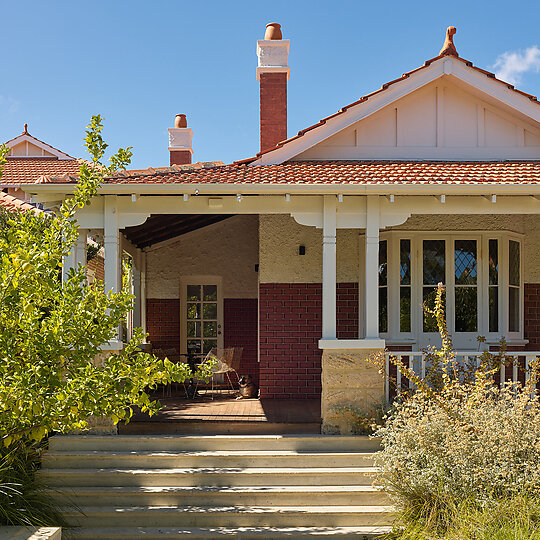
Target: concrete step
201, 443
222, 427
226, 496
243, 533
231, 516
210, 476
228, 459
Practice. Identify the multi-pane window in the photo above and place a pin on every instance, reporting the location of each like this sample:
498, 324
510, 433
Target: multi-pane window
383, 286
433, 273
466, 286
404, 285
201, 318
481, 273
493, 287
514, 283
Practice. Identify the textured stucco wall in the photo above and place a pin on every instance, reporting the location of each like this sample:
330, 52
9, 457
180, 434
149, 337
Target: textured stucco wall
280, 237
229, 249
527, 224
448, 222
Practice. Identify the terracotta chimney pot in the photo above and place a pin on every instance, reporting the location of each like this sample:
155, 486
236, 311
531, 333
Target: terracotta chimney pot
180, 121
273, 31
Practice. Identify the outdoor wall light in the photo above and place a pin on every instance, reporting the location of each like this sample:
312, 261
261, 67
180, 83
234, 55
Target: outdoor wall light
301, 250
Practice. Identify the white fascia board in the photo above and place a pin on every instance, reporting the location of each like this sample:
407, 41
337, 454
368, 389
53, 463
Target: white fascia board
36, 142
496, 89
356, 113
490, 188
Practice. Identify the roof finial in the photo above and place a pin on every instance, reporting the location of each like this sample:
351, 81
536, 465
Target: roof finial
25, 132
449, 47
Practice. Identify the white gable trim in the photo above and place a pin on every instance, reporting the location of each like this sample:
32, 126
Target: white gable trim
26, 137
446, 66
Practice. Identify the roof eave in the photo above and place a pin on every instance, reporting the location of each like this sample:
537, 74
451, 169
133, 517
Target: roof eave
483, 188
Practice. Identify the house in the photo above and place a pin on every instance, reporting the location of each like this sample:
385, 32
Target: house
29, 159
320, 250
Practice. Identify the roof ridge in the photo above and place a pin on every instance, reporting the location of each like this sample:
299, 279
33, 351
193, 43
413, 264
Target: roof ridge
162, 171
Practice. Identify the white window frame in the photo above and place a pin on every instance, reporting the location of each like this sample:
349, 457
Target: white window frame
395, 337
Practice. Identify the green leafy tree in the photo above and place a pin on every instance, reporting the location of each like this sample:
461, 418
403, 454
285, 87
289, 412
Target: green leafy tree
53, 375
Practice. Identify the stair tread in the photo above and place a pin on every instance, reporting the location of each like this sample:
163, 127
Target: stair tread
224, 437
219, 453
213, 470
243, 509
223, 489
213, 532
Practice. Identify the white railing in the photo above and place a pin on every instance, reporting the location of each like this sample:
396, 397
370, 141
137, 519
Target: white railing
417, 361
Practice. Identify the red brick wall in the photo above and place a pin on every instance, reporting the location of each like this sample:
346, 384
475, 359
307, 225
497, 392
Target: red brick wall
163, 323
532, 315
290, 329
97, 265
240, 330
347, 310
180, 157
273, 104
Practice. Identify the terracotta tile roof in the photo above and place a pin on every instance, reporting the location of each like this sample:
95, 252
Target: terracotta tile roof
384, 87
12, 203
340, 173
27, 170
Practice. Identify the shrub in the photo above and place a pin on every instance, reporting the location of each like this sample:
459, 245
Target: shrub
460, 438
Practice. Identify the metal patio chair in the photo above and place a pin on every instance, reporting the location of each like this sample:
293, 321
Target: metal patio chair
224, 362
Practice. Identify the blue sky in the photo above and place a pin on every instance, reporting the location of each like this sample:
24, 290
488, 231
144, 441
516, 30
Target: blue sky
140, 63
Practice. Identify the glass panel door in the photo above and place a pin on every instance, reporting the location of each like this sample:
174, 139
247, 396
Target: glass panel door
201, 316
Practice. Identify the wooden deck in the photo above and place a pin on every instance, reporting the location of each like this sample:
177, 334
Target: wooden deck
226, 414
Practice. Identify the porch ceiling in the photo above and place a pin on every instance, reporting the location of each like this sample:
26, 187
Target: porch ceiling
160, 227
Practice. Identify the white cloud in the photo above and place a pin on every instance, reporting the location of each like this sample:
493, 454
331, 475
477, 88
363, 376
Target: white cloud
510, 66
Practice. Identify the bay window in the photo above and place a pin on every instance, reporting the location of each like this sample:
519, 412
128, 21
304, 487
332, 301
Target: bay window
481, 272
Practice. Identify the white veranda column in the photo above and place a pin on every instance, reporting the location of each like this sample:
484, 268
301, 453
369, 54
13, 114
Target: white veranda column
111, 243
76, 255
329, 269
137, 293
372, 267
80, 252
143, 290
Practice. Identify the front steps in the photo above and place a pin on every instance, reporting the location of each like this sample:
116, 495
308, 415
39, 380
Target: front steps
258, 486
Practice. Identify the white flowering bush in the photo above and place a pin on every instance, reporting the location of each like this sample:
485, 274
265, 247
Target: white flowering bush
460, 437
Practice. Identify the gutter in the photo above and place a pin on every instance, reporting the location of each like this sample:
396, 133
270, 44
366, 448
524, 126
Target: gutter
487, 188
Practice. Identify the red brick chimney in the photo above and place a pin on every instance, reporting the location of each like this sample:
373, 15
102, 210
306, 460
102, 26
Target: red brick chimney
273, 73
180, 146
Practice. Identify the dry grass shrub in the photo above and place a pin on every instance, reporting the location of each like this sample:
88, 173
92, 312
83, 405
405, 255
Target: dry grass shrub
459, 437
516, 518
